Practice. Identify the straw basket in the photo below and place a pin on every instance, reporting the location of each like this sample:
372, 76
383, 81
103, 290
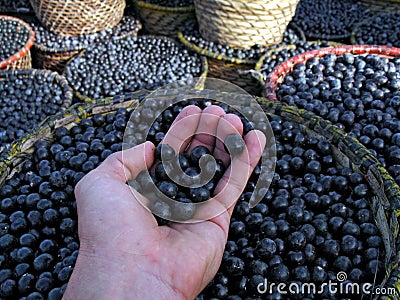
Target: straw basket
56, 59
241, 72
279, 73
277, 77
381, 5
242, 23
273, 52
234, 70
348, 152
162, 20
21, 59
75, 17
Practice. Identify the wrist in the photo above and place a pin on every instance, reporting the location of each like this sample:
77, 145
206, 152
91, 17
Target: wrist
96, 277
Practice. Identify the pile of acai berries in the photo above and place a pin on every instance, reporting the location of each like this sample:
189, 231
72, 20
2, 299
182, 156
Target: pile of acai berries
313, 222
358, 93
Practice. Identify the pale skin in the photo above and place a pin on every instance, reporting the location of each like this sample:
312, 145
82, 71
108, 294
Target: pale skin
123, 253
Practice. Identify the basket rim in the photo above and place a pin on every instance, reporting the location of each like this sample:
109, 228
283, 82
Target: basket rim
60, 79
210, 54
156, 7
202, 76
259, 63
16, 56
44, 48
234, 60
281, 70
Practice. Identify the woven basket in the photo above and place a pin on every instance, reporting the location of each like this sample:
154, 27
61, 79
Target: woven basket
202, 77
56, 59
162, 20
75, 17
381, 5
55, 77
12, 160
234, 70
271, 53
348, 152
241, 72
279, 73
243, 23
21, 59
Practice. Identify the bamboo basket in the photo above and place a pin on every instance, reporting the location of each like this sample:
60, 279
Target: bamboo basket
56, 59
241, 23
241, 72
279, 73
21, 59
234, 70
271, 53
202, 77
162, 20
76, 17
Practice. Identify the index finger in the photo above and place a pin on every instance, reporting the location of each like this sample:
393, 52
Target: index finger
235, 179
183, 128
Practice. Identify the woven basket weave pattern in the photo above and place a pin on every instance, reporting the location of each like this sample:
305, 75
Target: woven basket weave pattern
166, 21
56, 59
52, 61
73, 17
21, 59
242, 24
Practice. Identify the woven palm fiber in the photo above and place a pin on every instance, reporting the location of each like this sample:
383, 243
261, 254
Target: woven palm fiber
55, 59
162, 20
243, 23
73, 17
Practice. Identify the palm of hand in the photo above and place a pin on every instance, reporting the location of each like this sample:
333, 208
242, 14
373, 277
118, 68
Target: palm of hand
113, 225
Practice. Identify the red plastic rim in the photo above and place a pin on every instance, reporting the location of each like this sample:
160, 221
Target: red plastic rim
276, 77
13, 58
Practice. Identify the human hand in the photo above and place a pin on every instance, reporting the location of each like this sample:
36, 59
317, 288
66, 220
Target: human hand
123, 253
